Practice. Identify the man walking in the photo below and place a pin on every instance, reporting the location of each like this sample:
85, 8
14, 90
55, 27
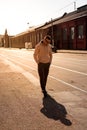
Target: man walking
43, 57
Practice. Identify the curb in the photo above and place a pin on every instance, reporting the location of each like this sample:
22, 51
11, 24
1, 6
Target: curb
72, 51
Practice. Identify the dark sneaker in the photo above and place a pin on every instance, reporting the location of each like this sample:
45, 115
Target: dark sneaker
45, 93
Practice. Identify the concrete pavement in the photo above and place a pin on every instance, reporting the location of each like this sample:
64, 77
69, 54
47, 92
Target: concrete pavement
22, 106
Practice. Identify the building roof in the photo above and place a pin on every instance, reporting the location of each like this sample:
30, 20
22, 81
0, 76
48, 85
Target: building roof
80, 12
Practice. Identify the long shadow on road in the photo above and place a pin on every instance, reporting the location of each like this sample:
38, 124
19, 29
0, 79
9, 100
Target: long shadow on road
55, 110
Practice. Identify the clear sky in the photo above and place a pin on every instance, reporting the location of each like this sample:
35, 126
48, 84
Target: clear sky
18, 15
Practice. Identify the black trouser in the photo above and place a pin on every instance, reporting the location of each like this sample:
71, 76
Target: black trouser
43, 70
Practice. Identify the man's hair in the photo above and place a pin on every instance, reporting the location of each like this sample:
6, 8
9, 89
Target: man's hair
47, 37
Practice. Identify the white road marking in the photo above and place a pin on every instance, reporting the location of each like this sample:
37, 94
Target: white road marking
19, 69
72, 59
69, 70
59, 80
74, 71
33, 79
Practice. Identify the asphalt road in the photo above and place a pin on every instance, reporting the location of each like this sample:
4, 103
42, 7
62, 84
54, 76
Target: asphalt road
22, 106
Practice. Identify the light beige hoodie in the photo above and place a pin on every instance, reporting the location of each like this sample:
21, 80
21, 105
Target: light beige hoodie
43, 53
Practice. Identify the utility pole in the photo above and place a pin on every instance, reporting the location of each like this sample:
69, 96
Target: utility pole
52, 32
74, 5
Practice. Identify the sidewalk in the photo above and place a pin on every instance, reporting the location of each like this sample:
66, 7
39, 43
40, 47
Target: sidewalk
72, 51
68, 51
58, 51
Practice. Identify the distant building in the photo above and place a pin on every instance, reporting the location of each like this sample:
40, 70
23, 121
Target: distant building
1, 40
68, 32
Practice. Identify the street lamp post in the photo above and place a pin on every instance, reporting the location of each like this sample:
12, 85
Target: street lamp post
52, 32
